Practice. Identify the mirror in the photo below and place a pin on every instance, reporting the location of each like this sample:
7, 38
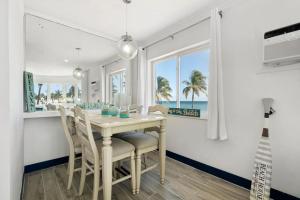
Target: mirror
51, 56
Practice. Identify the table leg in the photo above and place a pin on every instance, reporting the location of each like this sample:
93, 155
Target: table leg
162, 151
107, 165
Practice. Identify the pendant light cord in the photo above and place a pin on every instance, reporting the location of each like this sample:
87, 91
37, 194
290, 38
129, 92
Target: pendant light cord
126, 16
78, 55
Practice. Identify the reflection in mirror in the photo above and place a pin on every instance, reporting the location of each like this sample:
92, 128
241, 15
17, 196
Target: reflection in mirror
51, 56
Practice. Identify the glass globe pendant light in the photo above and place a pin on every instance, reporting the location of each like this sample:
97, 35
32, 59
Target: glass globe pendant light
127, 47
78, 72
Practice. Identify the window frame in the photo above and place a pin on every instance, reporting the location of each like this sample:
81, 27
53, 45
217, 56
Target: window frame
177, 55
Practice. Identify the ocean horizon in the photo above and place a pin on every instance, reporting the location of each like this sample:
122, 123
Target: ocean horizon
202, 105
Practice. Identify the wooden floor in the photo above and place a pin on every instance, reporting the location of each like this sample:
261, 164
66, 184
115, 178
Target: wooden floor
182, 182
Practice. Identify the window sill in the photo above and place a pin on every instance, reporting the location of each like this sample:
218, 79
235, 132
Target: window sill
40, 114
187, 117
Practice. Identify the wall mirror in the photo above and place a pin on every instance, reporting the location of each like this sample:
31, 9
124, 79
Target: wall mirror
52, 52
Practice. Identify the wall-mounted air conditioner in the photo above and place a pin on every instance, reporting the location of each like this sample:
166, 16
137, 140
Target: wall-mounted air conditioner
282, 46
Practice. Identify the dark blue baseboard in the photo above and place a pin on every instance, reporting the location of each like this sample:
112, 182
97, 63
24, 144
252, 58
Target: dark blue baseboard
245, 183
45, 164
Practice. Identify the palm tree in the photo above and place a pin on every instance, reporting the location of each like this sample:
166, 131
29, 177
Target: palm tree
58, 94
71, 92
163, 90
39, 93
196, 84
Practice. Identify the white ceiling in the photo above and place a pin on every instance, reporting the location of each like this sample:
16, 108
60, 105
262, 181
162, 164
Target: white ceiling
47, 47
145, 17
48, 44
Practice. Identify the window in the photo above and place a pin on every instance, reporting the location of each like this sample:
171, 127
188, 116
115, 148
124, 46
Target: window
79, 91
56, 94
41, 93
70, 93
117, 85
181, 81
165, 92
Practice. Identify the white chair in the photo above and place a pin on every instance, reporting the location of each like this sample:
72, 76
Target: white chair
135, 108
73, 141
91, 154
144, 143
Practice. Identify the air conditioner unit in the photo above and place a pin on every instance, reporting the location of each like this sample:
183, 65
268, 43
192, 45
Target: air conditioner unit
282, 46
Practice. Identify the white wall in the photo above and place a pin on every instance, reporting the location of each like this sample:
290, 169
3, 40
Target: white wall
16, 67
94, 74
4, 103
189, 37
44, 140
243, 26
11, 103
84, 87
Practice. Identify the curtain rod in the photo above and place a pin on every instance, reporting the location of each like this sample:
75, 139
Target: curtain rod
181, 30
69, 26
112, 62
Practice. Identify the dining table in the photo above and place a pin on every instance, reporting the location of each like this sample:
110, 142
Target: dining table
108, 126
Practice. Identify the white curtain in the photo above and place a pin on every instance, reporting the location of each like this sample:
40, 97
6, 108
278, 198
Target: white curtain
143, 87
216, 115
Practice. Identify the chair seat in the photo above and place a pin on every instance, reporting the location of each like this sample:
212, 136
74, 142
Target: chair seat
119, 147
139, 140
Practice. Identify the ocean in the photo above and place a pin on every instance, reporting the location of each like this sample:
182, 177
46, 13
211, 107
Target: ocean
202, 105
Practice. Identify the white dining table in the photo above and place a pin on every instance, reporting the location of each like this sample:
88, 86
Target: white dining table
108, 126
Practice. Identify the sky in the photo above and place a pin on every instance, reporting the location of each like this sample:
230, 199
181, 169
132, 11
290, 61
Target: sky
198, 60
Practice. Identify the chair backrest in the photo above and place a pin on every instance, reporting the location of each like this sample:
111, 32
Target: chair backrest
66, 126
85, 135
135, 108
50, 107
159, 109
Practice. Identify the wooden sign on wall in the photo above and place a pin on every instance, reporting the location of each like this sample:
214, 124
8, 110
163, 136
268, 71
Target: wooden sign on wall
185, 112
29, 101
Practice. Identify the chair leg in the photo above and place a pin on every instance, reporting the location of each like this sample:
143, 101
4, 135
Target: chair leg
96, 181
133, 173
114, 166
145, 160
71, 169
83, 175
138, 172
118, 167
68, 165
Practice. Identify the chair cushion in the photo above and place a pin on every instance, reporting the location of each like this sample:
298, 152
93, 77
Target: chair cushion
139, 140
119, 147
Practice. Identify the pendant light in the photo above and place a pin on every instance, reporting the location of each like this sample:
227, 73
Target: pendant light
78, 72
127, 47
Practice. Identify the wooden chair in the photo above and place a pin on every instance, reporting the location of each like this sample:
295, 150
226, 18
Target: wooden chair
91, 154
144, 143
73, 141
135, 108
